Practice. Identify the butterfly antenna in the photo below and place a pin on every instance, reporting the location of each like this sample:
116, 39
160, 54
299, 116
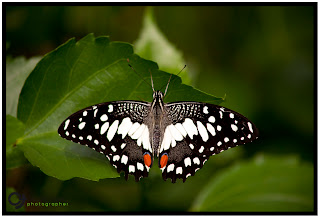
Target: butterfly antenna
151, 80
140, 75
165, 92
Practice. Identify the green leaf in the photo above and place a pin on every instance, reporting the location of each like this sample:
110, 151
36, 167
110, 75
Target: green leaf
77, 75
17, 71
14, 199
277, 184
153, 45
14, 130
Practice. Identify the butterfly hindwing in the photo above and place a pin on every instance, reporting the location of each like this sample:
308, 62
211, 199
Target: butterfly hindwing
197, 131
115, 129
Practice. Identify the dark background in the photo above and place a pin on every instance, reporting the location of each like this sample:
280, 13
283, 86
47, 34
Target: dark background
261, 57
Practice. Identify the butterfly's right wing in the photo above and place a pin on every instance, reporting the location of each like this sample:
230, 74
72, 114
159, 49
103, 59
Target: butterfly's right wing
117, 130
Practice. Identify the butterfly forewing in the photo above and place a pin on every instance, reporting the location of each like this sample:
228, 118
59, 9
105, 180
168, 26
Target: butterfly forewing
115, 129
198, 131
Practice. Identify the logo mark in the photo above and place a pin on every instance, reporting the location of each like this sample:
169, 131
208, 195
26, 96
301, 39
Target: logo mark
18, 204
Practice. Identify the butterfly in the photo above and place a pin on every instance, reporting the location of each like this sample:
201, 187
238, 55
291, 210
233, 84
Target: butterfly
130, 134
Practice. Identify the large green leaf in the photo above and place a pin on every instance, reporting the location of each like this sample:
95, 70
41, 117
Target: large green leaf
14, 130
277, 184
17, 71
77, 75
152, 44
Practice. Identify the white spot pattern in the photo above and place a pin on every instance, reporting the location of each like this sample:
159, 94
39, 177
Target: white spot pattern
203, 131
250, 127
201, 149
131, 168
116, 158
187, 161
170, 168
104, 118
179, 170
104, 128
205, 110
66, 124
124, 127
112, 130
211, 129
196, 161
234, 127
140, 166
110, 108
190, 128
124, 159
212, 119
191, 146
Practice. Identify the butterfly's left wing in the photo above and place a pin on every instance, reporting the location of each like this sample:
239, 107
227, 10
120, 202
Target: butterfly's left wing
116, 129
195, 131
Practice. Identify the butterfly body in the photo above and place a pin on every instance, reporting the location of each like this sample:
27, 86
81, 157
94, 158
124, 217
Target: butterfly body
182, 134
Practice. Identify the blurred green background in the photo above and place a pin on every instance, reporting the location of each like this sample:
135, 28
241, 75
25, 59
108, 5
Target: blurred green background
261, 57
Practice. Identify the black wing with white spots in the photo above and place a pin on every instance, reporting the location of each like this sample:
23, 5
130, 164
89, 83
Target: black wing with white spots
115, 129
198, 131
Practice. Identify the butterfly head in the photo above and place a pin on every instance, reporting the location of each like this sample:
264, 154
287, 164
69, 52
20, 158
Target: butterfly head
157, 95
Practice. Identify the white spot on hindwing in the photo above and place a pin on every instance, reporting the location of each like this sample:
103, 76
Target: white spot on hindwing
211, 129
219, 143
123, 145
95, 112
190, 128
131, 168
181, 129
219, 128
205, 110
112, 130
203, 131
170, 168
140, 166
231, 115
124, 127
66, 124
104, 118
104, 128
96, 142
133, 128
113, 148
81, 125
124, 159
89, 137
67, 133
110, 108
96, 126
201, 149
116, 158
196, 161
250, 127
234, 127
187, 161
85, 113
226, 139
220, 112
212, 119
191, 146
175, 133
103, 147
179, 170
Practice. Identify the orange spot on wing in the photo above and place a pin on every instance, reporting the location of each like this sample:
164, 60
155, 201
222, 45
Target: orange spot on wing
147, 160
163, 160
